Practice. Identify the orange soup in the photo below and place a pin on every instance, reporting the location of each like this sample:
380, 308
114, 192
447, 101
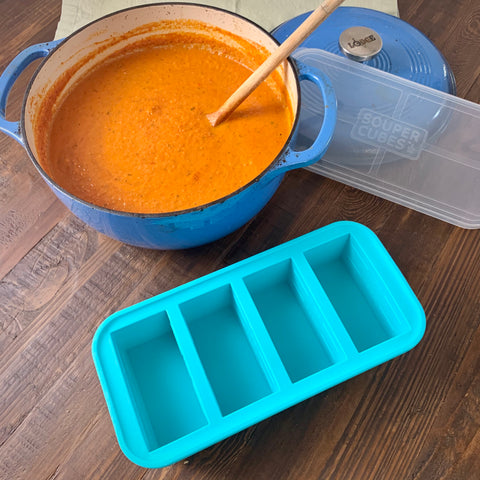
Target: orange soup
132, 134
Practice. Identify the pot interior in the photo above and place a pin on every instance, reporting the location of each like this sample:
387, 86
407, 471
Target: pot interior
92, 44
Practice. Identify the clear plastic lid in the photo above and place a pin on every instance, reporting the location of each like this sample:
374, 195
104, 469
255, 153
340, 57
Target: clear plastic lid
397, 139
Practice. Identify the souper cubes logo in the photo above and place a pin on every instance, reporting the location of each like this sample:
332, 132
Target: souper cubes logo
389, 133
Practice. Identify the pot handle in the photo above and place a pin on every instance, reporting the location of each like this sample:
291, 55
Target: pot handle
10, 75
295, 159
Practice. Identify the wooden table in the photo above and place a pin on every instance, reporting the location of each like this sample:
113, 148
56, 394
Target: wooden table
416, 417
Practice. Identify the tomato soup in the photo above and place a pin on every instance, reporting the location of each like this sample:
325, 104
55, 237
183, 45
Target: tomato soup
132, 133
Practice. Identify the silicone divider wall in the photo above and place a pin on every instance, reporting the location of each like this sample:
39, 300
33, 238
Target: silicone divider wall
327, 313
275, 369
294, 323
194, 365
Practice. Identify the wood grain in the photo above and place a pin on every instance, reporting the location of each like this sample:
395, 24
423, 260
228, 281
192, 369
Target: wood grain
416, 417
20, 185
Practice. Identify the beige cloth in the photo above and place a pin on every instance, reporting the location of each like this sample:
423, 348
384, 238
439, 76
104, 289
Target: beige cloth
268, 14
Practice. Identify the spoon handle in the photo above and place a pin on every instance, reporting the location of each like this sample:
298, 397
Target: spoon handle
274, 60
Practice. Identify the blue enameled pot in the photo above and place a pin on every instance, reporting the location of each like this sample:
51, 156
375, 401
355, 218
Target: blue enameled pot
90, 46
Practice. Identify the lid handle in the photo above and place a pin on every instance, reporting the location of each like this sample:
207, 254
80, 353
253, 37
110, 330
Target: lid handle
360, 43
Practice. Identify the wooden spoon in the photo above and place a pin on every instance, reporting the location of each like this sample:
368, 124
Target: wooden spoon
274, 60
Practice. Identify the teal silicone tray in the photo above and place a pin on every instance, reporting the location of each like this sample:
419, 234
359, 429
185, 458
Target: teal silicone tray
194, 365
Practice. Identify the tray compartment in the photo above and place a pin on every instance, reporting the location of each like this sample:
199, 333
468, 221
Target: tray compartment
158, 381
357, 293
228, 358
284, 309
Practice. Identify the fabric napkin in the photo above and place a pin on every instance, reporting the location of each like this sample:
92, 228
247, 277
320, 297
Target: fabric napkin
76, 13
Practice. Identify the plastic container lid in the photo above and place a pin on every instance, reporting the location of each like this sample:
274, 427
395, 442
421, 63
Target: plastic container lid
400, 134
405, 51
400, 140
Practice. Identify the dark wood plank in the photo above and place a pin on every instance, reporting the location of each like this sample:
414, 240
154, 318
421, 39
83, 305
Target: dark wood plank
28, 207
454, 28
415, 417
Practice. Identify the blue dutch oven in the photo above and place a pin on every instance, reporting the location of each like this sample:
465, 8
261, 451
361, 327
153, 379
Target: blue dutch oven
90, 46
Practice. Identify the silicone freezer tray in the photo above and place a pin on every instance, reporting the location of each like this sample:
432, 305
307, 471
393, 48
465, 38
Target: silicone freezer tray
194, 365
